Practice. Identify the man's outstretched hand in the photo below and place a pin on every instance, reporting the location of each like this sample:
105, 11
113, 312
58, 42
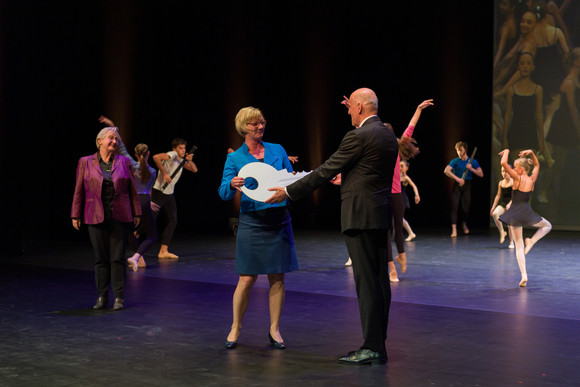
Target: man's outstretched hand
279, 195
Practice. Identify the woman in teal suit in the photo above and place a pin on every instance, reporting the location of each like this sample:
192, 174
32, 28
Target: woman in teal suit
265, 242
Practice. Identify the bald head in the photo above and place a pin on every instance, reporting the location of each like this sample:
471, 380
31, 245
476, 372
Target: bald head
363, 103
367, 98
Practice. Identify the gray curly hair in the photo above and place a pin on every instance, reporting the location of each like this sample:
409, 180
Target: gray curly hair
103, 133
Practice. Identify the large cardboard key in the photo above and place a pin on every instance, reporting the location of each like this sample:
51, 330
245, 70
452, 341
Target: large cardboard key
267, 177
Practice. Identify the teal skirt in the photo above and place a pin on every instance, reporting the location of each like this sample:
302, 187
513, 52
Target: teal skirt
265, 242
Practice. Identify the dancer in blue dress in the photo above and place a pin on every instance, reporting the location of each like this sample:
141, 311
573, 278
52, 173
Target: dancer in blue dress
520, 213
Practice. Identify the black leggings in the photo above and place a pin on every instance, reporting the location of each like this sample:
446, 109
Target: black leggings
147, 229
167, 203
460, 195
398, 213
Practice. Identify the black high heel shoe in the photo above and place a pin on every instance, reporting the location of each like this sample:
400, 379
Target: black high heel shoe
276, 344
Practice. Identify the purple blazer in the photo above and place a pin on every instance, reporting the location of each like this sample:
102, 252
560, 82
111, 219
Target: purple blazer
87, 204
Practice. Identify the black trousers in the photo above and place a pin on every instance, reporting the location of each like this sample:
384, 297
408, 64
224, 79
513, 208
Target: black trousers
368, 251
109, 240
460, 196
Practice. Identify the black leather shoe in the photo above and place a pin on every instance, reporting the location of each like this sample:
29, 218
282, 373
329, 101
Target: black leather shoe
276, 344
101, 304
231, 344
364, 356
119, 304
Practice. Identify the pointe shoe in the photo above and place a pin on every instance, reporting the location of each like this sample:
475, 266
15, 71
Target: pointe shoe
133, 263
349, 262
502, 237
410, 237
529, 244
402, 260
523, 282
276, 344
167, 255
393, 277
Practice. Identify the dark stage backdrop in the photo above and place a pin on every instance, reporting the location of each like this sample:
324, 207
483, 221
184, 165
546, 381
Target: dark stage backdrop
537, 99
165, 69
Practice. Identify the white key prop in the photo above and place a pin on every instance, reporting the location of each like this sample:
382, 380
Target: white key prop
267, 177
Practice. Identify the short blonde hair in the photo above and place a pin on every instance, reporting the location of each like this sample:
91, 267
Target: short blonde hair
524, 162
245, 115
461, 144
103, 133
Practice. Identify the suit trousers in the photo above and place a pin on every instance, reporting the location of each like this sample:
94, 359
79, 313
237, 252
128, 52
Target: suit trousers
109, 240
368, 251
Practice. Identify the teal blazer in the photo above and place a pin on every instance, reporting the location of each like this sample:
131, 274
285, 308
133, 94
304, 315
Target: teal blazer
274, 155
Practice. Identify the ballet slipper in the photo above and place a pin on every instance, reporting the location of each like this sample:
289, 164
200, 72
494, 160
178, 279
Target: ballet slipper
133, 262
402, 260
141, 262
454, 235
529, 244
465, 230
349, 262
410, 237
502, 236
393, 272
524, 282
511, 245
167, 255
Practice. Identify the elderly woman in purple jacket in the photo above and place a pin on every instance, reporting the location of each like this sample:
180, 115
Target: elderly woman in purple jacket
106, 200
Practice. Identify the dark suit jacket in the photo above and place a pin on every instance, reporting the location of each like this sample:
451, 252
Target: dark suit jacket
87, 204
366, 158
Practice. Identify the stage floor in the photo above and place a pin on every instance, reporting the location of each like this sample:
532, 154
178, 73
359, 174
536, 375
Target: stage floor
458, 317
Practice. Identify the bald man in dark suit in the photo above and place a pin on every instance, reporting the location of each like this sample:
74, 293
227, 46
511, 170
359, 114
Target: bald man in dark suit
366, 160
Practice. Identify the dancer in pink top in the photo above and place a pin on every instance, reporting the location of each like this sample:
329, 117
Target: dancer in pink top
407, 150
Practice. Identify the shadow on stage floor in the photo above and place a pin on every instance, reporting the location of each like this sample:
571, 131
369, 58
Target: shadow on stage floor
458, 317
